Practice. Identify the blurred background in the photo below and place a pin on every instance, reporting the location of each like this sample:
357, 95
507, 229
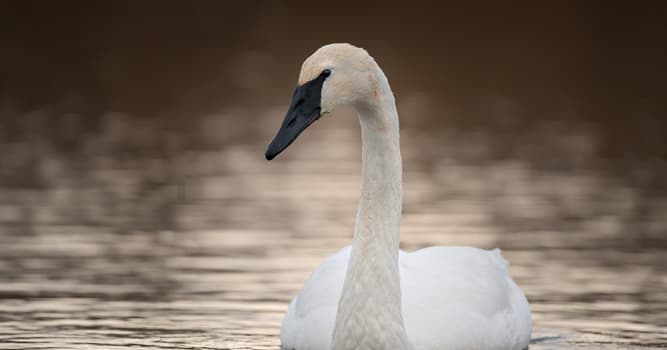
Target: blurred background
136, 207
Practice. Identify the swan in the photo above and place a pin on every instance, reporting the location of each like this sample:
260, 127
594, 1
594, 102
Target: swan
371, 295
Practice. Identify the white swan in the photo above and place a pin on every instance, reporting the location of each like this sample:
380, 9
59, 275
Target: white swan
371, 295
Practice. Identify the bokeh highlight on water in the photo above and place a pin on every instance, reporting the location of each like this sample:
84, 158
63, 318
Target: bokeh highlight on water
139, 212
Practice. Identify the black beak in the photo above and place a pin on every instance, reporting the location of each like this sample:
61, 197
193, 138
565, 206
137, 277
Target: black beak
304, 110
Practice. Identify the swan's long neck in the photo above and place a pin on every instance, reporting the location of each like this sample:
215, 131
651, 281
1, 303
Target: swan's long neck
369, 311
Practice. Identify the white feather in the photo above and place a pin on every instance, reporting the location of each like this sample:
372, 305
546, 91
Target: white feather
458, 297
373, 296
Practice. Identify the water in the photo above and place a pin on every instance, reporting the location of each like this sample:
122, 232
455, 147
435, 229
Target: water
139, 237
137, 211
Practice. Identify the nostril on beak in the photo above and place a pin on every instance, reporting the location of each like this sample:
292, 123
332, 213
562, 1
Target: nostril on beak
291, 122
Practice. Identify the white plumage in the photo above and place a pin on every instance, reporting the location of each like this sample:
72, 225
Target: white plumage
453, 298
370, 295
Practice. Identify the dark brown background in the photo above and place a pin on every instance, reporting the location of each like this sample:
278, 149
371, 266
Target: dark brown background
602, 60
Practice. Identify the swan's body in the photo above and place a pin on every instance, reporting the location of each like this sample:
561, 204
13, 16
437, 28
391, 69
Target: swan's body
452, 297
370, 295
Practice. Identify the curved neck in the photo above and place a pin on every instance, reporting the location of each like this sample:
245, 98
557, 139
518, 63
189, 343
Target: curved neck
369, 312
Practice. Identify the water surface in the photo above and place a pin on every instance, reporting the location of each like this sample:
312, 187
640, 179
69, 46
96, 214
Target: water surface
140, 238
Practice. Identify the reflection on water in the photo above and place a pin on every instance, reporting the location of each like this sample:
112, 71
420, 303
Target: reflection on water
141, 237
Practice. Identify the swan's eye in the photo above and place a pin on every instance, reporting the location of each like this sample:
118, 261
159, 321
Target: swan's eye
326, 73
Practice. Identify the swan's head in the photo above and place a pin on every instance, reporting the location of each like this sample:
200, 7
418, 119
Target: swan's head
335, 75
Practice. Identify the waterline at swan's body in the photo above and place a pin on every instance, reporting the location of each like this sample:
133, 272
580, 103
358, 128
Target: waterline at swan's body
461, 297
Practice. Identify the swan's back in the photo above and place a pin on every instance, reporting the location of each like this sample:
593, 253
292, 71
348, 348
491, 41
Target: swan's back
461, 297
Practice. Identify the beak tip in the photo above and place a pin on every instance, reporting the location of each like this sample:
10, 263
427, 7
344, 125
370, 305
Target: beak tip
269, 155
